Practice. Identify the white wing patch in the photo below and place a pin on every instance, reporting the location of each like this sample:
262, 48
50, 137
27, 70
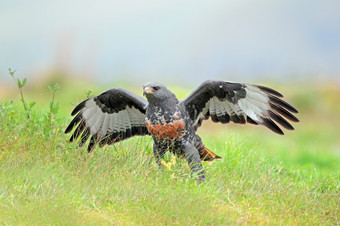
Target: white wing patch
91, 122
105, 126
256, 104
97, 124
104, 123
223, 107
90, 109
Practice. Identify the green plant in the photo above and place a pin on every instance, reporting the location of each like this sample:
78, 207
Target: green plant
21, 84
261, 178
89, 93
53, 107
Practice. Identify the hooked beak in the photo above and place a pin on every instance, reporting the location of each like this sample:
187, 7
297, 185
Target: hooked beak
147, 90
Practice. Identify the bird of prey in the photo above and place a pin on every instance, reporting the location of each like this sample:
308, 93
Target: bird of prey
118, 114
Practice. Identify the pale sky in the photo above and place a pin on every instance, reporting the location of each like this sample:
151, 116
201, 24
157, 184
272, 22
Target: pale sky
195, 40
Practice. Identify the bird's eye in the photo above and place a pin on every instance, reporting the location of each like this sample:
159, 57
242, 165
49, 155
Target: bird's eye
155, 88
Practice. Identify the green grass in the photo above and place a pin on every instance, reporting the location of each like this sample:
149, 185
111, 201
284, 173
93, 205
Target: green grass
263, 178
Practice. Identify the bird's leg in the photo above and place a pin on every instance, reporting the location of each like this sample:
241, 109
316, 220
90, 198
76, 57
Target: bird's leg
194, 161
158, 153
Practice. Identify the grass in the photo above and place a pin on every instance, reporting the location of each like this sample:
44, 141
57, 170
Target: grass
263, 178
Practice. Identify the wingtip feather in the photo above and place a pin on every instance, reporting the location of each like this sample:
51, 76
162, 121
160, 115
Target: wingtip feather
269, 90
283, 104
79, 107
277, 118
267, 122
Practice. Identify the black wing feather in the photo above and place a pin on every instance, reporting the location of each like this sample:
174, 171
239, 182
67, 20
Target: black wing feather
239, 103
78, 131
269, 91
91, 115
74, 122
282, 103
79, 107
284, 112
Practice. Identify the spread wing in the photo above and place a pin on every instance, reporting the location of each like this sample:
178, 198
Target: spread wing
114, 115
239, 103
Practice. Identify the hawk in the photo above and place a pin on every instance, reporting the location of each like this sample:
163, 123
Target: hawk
118, 114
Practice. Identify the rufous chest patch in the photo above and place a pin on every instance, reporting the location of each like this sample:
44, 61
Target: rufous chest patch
164, 130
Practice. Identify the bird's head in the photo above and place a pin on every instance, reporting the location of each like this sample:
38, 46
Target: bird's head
155, 91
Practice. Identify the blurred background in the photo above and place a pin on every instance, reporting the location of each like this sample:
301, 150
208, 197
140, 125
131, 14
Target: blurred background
292, 46
136, 41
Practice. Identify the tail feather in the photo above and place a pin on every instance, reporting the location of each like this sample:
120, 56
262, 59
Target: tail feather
208, 155
205, 153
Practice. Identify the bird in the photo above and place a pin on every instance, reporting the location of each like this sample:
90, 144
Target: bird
118, 114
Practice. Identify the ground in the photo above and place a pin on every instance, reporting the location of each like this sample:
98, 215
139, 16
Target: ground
263, 178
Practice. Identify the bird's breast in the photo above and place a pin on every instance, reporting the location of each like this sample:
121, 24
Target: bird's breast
166, 129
